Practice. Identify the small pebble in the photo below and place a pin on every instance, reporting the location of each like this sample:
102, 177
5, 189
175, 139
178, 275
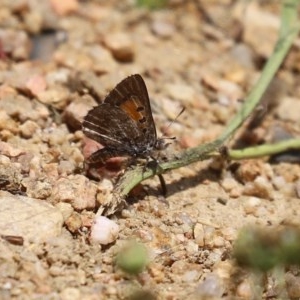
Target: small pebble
224, 269
36, 84
285, 112
77, 110
121, 46
181, 92
28, 128
74, 222
209, 234
163, 28
192, 248
17, 43
293, 286
229, 233
260, 187
65, 209
104, 230
65, 7
104, 195
260, 29
229, 183
199, 234
191, 276
279, 182
249, 170
210, 288
219, 242
252, 204
70, 293
244, 290
57, 97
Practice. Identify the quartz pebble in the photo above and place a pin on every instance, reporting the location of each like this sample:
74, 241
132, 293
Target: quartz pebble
210, 288
104, 230
252, 205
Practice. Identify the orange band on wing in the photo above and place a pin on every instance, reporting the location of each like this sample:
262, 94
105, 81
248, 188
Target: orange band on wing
133, 109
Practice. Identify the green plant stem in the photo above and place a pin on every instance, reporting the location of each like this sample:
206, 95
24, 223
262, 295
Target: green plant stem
266, 149
288, 32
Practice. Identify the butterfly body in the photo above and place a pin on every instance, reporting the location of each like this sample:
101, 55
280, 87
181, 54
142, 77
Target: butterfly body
123, 123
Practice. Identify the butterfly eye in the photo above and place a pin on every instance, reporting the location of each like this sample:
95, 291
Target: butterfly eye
161, 144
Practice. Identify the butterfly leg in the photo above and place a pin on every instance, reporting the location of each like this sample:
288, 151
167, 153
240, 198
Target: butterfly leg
163, 185
154, 164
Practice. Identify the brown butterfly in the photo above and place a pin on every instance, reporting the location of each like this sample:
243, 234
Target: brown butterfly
123, 123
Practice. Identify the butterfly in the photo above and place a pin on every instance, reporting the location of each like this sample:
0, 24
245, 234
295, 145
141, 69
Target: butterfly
123, 123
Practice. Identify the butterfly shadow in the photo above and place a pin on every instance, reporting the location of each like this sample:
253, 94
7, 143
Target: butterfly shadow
184, 183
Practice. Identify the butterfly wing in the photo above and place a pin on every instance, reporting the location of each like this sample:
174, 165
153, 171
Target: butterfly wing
108, 125
131, 96
124, 121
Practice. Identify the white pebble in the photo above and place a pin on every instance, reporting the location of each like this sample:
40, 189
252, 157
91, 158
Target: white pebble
279, 182
104, 230
210, 287
251, 205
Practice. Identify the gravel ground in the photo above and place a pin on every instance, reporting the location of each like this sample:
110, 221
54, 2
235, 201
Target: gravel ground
57, 60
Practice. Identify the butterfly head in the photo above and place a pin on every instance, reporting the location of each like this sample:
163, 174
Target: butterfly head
161, 143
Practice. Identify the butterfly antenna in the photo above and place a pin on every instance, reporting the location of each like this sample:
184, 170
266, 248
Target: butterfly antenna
171, 123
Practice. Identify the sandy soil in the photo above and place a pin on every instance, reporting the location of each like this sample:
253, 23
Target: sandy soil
57, 60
